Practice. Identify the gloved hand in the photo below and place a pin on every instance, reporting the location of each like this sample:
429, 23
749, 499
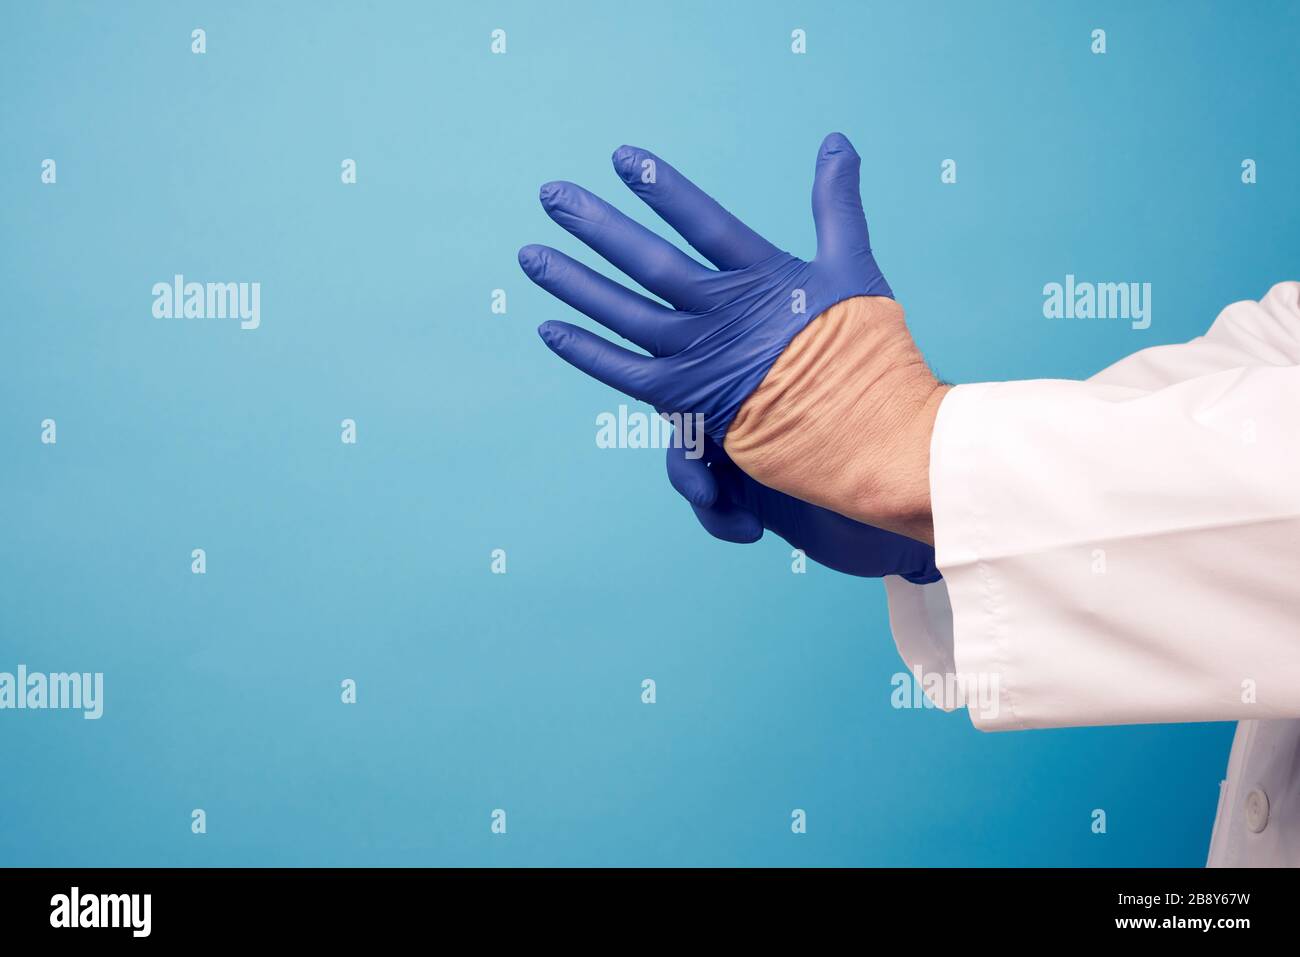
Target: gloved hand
727, 327
735, 508
804, 372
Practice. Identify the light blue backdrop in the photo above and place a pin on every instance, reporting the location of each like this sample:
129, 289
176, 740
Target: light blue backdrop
328, 561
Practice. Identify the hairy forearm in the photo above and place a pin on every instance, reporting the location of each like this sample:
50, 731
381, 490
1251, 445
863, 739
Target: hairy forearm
844, 418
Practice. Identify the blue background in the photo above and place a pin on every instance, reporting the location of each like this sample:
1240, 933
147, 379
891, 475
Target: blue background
328, 561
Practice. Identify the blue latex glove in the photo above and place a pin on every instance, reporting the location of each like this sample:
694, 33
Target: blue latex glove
735, 508
726, 326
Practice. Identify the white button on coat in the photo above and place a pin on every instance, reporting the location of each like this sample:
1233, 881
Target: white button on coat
1256, 811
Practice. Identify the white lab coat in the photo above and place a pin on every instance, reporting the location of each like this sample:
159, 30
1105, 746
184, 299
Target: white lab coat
1127, 550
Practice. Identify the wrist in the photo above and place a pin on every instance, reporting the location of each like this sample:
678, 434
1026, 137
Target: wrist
843, 419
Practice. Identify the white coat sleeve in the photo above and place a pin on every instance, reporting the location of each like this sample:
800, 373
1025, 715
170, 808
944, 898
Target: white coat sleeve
1125, 549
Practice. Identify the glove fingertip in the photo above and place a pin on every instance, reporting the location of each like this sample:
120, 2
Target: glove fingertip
624, 160
836, 143
691, 478
730, 524
553, 334
701, 495
532, 260
556, 193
